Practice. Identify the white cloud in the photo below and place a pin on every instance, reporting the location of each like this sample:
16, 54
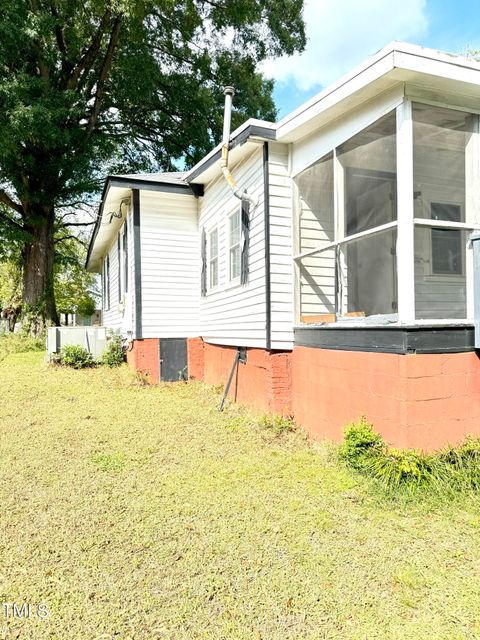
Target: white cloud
341, 33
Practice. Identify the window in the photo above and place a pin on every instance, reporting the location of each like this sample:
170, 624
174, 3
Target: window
213, 259
446, 243
234, 236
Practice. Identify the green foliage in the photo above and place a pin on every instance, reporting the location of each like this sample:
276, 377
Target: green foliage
75, 288
76, 357
277, 423
360, 443
404, 469
114, 353
450, 470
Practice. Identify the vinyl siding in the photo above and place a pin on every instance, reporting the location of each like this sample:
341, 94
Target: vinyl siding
170, 257
120, 314
234, 314
281, 247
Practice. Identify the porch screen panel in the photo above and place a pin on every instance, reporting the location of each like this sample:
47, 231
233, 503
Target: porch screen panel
369, 274
441, 139
316, 230
368, 162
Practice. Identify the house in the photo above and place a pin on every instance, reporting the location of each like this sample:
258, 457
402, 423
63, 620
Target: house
347, 282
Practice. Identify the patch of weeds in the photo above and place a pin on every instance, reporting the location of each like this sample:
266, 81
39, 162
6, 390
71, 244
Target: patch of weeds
445, 472
277, 423
108, 461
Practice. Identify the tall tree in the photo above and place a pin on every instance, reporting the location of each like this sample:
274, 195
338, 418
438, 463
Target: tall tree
92, 86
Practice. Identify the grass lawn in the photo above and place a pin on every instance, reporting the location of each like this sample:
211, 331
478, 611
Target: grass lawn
142, 513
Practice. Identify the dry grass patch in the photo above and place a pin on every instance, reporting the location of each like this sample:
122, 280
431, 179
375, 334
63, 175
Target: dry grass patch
140, 512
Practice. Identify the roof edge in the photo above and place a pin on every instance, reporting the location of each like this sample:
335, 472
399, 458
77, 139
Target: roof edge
142, 184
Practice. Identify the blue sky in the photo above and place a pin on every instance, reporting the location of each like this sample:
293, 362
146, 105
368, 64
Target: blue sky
342, 33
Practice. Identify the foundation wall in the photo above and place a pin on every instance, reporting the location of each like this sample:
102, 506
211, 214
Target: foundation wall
263, 383
417, 401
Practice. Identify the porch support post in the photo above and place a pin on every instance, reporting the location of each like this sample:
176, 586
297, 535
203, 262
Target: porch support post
472, 208
405, 237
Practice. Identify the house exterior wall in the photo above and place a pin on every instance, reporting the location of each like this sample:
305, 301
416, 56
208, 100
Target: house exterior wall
170, 265
235, 314
281, 247
120, 315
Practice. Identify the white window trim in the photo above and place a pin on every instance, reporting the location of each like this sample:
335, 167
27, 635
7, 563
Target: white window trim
215, 287
106, 284
235, 280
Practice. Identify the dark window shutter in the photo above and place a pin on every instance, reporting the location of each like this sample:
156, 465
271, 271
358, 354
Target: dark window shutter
119, 269
245, 215
204, 263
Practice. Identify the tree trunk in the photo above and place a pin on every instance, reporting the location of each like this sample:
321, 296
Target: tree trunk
38, 292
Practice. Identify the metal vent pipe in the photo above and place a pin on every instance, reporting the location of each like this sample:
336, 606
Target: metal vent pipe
241, 194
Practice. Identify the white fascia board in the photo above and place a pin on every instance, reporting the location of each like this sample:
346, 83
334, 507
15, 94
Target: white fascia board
397, 61
456, 69
289, 129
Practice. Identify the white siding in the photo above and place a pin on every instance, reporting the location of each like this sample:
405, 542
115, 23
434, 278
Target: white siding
120, 314
170, 265
281, 246
234, 314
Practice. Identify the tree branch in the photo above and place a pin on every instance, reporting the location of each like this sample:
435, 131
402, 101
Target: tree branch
71, 237
6, 199
78, 224
104, 71
90, 54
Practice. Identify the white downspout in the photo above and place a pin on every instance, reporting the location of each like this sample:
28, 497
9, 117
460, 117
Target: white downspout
227, 120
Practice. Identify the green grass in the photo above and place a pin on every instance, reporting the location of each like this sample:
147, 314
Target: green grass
136, 512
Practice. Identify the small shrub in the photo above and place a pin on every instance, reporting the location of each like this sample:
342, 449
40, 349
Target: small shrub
277, 423
360, 443
114, 353
76, 357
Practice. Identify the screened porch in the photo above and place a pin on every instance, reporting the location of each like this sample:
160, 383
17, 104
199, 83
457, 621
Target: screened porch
383, 222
